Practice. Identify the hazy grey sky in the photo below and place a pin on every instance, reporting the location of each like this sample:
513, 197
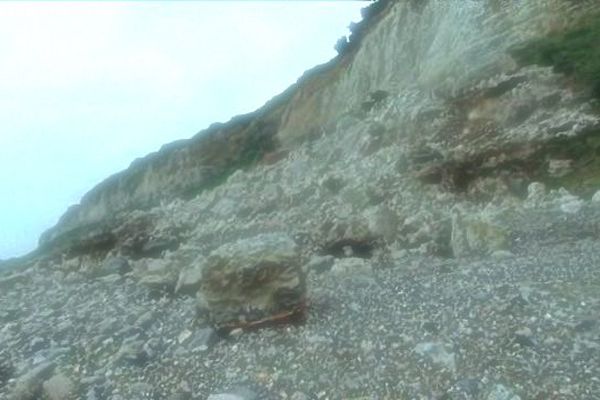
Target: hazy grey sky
87, 87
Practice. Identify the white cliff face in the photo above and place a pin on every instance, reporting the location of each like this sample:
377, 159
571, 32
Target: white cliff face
434, 49
430, 95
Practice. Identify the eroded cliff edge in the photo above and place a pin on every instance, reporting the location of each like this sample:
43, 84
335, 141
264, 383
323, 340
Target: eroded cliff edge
430, 203
437, 81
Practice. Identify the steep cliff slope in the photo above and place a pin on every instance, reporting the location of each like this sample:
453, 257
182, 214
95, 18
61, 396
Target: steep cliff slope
441, 79
438, 185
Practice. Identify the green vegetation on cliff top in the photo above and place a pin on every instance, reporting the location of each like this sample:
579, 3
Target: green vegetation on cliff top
574, 52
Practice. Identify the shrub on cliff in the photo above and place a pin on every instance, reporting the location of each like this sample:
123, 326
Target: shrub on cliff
358, 29
575, 53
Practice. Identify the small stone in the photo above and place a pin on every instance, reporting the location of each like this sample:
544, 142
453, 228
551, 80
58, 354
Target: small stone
348, 252
110, 279
151, 347
500, 392
477, 233
159, 283
299, 396
351, 266
431, 327
28, 386
180, 396
184, 335
107, 325
237, 332
59, 387
437, 353
37, 343
571, 204
183, 392
399, 254
114, 265
536, 191
500, 254
523, 337
463, 389
202, 339
237, 394
559, 168
145, 320
319, 264
190, 277
132, 352
586, 325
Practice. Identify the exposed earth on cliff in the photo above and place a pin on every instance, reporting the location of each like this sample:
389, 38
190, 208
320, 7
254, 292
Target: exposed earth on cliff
418, 219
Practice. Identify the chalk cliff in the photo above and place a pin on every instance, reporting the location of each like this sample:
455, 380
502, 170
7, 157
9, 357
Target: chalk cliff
425, 208
429, 80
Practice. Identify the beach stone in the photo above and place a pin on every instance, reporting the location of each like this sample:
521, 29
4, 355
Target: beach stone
501, 392
29, 385
59, 387
476, 234
190, 277
253, 281
114, 265
351, 266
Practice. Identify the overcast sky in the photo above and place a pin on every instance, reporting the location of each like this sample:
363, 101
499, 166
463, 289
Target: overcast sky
85, 88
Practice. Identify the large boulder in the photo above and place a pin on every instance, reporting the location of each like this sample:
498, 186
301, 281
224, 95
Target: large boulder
253, 281
59, 387
29, 385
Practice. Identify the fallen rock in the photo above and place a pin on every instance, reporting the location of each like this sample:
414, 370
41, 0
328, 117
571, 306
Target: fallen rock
501, 392
114, 265
536, 191
190, 277
237, 394
319, 264
437, 353
159, 283
202, 339
569, 203
253, 281
59, 387
183, 392
159, 275
351, 266
29, 385
131, 352
349, 237
467, 388
382, 222
476, 234
559, 168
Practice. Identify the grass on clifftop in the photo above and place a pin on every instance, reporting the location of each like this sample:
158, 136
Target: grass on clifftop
575, 53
